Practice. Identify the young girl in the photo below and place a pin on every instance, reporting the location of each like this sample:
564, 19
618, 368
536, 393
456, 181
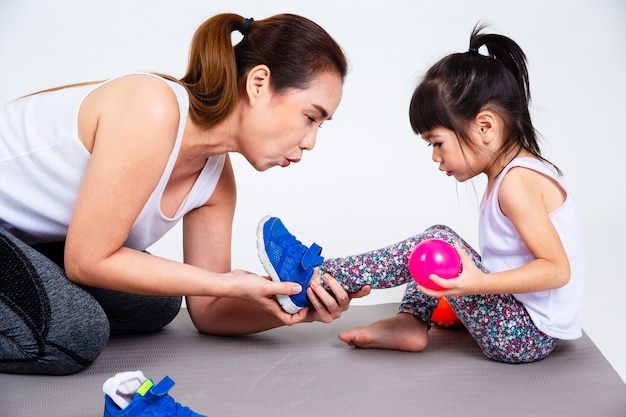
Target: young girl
526, 291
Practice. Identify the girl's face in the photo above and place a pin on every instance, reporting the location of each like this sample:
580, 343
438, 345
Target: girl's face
279, 127
460, 163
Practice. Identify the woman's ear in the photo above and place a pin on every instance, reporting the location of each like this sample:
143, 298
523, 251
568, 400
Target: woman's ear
258, 83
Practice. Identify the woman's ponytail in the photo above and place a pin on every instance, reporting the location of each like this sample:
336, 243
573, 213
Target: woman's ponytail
211, 76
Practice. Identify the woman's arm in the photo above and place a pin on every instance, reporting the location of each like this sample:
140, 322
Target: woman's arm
207, 244
129, 126
207, 238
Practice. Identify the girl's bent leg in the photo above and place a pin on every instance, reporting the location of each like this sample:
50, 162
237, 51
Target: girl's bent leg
382, 268
48, 324
498, 323
415, 302
502, 328
387, 268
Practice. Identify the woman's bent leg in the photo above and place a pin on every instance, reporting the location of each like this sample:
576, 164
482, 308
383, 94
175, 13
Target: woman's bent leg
127, 313
132, 313
48, 324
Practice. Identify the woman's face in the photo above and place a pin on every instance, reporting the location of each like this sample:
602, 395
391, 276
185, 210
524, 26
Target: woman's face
281, 126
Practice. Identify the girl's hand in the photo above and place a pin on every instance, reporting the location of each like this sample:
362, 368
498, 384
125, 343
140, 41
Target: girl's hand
328, 306
467, 283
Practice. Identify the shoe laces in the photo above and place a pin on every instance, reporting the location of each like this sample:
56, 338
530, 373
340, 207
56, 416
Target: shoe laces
293, 247
308, 256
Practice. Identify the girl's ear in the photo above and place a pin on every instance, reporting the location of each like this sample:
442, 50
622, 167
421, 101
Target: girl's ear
258, 83
488, 125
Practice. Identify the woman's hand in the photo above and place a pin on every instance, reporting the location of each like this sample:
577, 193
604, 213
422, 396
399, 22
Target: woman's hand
247, 304
262, 292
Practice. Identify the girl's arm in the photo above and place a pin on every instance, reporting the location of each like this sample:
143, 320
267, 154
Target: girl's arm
129, 126
527, 198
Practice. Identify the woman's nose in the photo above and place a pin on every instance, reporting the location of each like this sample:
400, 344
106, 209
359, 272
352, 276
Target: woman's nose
308, 142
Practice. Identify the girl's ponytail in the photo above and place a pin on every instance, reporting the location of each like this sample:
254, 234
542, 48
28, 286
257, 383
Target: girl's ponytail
507, 52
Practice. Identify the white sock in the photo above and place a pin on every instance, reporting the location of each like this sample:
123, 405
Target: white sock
122, 387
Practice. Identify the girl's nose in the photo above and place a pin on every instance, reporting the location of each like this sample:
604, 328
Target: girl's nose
436, 157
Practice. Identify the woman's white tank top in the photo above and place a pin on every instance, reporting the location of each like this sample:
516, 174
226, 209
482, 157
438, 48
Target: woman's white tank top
43, 161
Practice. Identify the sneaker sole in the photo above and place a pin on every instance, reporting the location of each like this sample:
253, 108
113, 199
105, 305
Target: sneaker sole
284, 300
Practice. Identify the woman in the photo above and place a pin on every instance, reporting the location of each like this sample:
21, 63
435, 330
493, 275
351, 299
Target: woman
93, 174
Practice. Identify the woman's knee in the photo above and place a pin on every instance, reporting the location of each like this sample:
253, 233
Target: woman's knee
144, 314
167, 309
49, 325
62, 347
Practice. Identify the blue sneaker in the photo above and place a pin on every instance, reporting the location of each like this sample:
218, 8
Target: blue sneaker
150, 401
286, 259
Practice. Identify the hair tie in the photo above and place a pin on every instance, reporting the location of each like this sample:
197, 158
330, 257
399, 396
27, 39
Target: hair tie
473, 50
246, 26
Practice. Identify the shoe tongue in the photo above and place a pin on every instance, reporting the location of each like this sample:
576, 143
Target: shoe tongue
312, 256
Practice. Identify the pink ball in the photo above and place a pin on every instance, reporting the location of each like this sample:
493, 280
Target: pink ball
434, 256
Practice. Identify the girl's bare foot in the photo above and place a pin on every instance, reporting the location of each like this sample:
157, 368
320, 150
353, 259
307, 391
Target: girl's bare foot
400, 332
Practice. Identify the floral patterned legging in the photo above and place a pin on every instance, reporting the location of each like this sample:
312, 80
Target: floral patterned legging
498, 323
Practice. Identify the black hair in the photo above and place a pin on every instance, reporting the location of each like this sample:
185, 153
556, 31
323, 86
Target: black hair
461, 85
295, 49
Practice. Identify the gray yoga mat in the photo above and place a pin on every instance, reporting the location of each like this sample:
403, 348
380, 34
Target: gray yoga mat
306, 371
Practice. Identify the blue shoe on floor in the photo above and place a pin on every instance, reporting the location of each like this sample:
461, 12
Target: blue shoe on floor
150, 401
285, 259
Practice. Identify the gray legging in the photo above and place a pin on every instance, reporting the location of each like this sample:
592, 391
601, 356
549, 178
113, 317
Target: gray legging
49, 325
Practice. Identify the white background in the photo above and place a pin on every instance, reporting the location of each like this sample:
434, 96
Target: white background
370, 181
